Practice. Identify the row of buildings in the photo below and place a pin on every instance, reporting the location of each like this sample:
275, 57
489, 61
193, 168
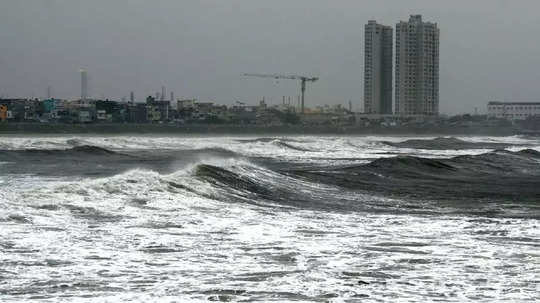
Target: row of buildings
156, 110
416, 68
185, 112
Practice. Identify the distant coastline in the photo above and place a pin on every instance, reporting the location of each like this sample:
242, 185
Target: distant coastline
226, 129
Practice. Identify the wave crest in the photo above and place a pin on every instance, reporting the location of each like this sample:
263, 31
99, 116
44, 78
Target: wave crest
445, 143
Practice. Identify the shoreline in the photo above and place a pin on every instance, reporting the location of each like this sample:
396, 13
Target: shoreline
217, 129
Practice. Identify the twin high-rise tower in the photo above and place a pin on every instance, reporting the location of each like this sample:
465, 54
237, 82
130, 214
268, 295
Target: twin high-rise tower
416, 70
378, 68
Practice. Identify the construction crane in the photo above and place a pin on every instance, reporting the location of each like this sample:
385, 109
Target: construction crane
303, 80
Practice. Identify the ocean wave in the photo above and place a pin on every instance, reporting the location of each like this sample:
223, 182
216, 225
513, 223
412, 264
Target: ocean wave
222, 177
85, 149
77, 142
220, 180
97, 161
286, 145
445, 143
296, 149
501, 174
410, 163
212, 151
271, 139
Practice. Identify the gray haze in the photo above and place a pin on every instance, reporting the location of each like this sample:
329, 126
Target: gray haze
200, 48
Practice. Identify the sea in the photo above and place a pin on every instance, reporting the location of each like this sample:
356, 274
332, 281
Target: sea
152, 218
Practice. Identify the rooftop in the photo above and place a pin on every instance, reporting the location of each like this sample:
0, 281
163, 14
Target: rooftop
512, 103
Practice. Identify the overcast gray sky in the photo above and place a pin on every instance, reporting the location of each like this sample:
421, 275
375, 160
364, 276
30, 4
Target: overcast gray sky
200, 48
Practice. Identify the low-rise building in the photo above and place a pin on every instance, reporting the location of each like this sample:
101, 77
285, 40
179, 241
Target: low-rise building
3, 113
184, 104
136, 113
48, 110
84, 116
157, 111
513, 110
111, 111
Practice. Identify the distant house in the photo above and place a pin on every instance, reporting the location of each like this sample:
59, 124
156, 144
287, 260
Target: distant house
84, 116
157, 111
110, 111
79, 111
136, 113
203, 110
185, 104
48, 109
48, 105
3, 113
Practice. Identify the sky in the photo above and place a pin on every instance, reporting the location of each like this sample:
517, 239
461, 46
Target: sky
489, 49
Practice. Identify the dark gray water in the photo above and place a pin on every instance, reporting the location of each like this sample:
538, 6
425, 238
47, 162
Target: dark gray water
304, 219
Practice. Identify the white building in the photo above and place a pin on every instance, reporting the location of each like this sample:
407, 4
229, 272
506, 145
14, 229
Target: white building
513, 110
417, 67
378, 68
188, 103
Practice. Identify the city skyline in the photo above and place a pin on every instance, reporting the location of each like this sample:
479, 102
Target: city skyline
141, 47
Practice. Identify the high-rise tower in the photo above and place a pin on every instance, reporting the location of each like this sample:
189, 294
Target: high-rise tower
378, 68
84, 84
417, 67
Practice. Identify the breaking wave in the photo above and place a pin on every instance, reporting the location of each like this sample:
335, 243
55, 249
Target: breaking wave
218, 180
380, 185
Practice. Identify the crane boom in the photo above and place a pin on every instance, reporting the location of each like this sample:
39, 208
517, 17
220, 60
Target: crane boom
273, 76
303, 80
